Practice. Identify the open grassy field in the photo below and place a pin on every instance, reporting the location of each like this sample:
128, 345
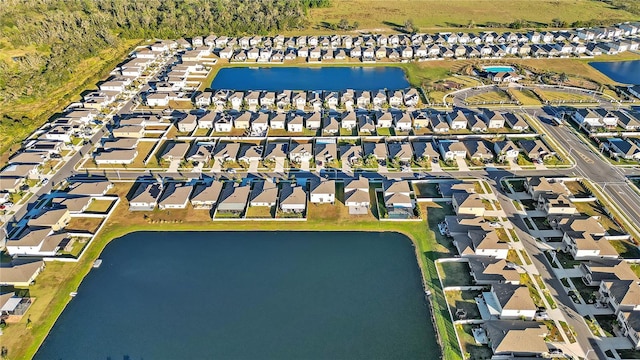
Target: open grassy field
59, 279
576, 67
38, 110
526, 97
565, 96
381, 15
492, 96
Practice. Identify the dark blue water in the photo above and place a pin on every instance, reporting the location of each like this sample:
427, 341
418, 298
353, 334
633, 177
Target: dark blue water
260, 295
311, 78
626, 72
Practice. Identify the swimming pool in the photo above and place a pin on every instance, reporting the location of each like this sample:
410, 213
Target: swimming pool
496, 69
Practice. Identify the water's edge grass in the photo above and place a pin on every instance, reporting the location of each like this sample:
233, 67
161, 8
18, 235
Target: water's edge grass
416, 232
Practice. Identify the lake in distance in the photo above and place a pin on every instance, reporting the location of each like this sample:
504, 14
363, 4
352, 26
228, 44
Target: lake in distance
310, 78
626, 72
254, 295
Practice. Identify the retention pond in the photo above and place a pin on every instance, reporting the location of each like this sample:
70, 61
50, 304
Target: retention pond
249, 295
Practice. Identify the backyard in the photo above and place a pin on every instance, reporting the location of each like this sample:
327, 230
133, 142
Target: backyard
462, 304
470, 346
455, 274
426, 189
595, 208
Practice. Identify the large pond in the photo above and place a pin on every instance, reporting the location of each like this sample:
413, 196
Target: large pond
310, 78
254, 295
626, 72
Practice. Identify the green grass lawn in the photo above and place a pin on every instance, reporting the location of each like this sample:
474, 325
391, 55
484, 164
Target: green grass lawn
436, 15
470, 347
464, 300
526, 97
426, 190
455, 274
565, 97
577, 189
493, 96
517, 185
512, 257
261, 212
541, 223
100, 206
566, 260
626, 249
595, 208
525, 280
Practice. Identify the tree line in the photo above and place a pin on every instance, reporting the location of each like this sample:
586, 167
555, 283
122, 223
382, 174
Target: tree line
65, 32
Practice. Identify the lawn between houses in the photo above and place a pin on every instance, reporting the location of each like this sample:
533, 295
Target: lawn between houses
54, 284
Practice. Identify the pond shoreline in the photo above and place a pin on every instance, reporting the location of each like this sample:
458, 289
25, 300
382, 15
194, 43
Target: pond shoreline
271, 233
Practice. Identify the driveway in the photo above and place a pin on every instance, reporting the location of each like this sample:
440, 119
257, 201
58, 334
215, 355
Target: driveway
435, 167
462, 164
173, 166
279, 165
217, 167
253, 166
304, 165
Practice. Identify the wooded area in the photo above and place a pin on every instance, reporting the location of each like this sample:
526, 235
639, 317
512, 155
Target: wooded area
56, 35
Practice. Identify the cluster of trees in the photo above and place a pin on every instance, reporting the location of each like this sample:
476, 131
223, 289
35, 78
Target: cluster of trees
65, 32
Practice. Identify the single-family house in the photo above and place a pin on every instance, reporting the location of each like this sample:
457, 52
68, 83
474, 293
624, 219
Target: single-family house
205, 195
175, 196
234, 198
300, 152
264, 193
506, 150
535, 149
516, 122
451, 150
145, 198
623, 148
457, 120
323, 192
292, 198
510, 302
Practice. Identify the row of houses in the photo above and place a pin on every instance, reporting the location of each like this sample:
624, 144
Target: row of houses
599, 118
325, 152
43, 229
618, 31
224, 196
42, 232
364, 121
45, 145
292, 198
432, 51
301, 100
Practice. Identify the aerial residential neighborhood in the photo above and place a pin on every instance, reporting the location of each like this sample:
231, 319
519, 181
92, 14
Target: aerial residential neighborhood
517, 187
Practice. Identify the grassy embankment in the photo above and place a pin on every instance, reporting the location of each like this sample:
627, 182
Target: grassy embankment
59, 279
40, 109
